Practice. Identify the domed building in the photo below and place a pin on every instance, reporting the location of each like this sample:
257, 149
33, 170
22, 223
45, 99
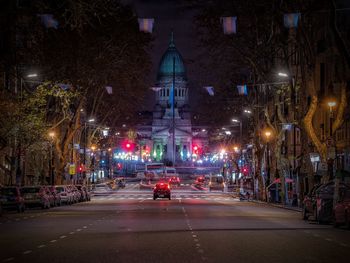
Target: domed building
171, 109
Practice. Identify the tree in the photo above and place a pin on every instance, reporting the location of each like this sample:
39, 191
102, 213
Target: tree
93, 44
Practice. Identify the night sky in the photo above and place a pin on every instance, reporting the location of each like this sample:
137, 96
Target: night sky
171, 15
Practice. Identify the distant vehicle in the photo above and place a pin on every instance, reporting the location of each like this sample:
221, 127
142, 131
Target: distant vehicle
11, 198
101, 188
35, 196
216, 182
342, 210
169, 172
120, 182
200, 181
174, 180
153, 170
161, 190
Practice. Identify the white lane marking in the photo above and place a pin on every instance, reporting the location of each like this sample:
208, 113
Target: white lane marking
8, 259
194, 235
41, 246
344, 245
25, 217
78, 230
17, 219
200, 250
328, 239
90, 224
316, 235
61, 237
198, 245
196, 240
71, 233
53, 241
31, 216
84, 226
27, 252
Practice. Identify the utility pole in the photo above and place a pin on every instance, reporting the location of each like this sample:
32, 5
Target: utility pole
173, 104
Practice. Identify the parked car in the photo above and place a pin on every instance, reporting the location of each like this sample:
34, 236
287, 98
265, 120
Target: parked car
309, 203
56, 195
342, 210
35, 196
319, 203
76, 193
65, 194
11, 198
161, 190
83, 192
50, 196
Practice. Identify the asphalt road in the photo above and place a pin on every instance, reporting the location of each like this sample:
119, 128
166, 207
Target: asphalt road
195, 226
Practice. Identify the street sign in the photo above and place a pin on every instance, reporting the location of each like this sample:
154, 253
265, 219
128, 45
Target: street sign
72, 169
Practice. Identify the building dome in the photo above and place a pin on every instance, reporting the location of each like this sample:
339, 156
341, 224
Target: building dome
166, 63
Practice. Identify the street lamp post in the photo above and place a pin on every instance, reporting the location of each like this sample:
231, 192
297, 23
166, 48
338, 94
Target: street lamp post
268, 135
51, 170
91, 120
332, 103
293, 100
173, 113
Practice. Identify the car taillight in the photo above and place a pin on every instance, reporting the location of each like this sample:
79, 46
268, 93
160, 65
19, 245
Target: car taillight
168, 186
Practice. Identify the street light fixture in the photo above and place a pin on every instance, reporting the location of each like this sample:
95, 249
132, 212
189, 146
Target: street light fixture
282, 74
32, 75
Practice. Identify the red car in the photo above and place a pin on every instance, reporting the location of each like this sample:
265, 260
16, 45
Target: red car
342, 210
161, 190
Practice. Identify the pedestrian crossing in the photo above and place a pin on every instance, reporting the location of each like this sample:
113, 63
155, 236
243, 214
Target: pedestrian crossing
177, 196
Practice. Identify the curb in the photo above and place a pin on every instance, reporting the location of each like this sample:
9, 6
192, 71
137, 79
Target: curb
296, 209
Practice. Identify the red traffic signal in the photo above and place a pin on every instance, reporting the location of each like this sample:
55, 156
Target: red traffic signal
196, 149
80, 168
245, 170
128, 146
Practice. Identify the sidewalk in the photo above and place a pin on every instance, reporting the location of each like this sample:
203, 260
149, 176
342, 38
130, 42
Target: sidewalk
289, 207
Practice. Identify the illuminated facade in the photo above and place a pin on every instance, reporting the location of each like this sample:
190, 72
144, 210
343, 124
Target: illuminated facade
189, 142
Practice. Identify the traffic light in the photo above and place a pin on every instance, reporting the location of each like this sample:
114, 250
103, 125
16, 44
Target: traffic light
245, 170
128, 146
195, 149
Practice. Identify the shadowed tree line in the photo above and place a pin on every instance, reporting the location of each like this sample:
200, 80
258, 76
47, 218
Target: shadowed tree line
84, 47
